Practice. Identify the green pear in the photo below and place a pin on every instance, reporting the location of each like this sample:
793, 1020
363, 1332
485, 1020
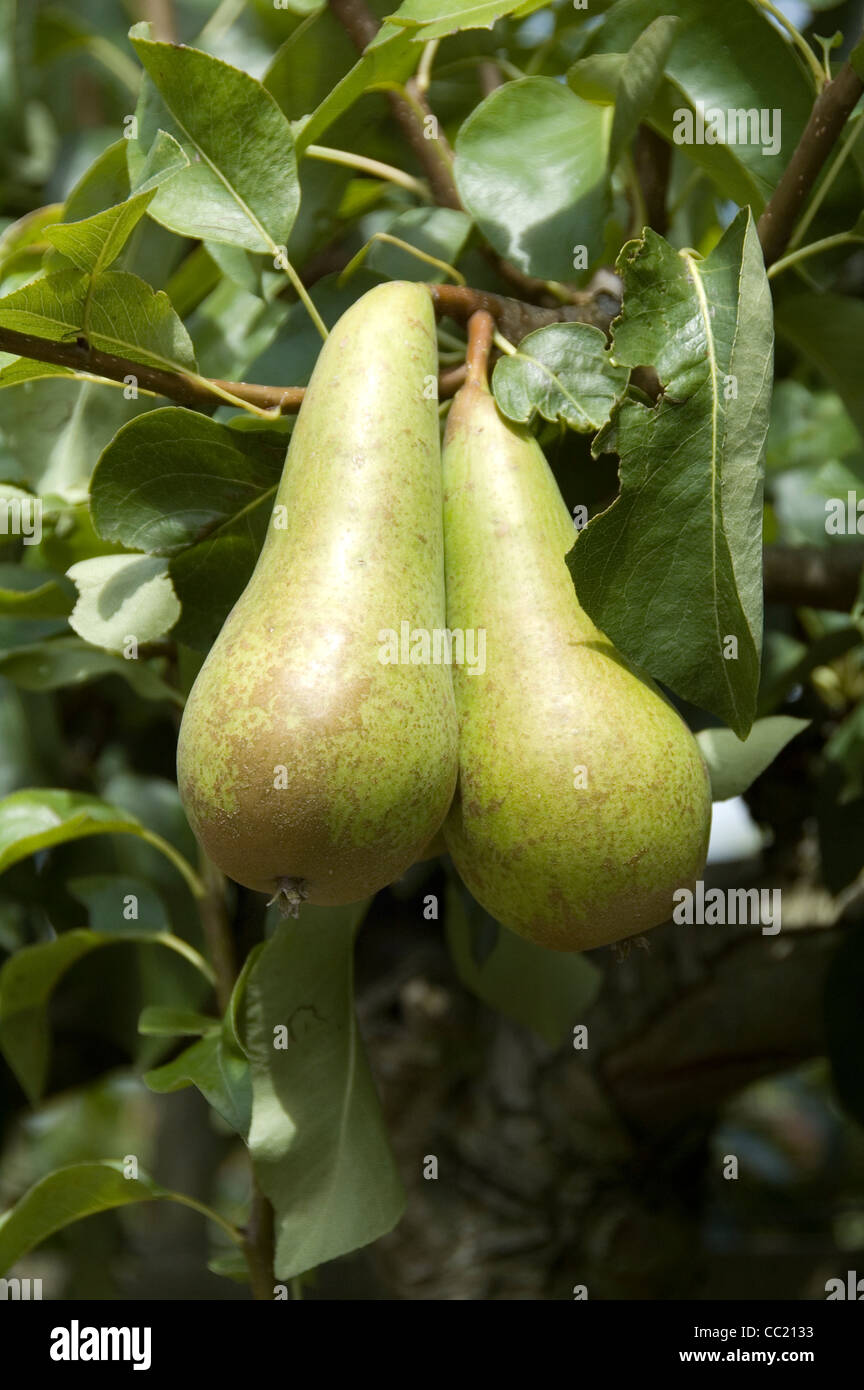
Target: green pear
583, 801
318, 750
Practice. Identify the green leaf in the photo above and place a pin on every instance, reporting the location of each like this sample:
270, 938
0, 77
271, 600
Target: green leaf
391, 57
639, 82
56, 35
827, 330
22, 241
93, 244
52, 427
240, 186
541, 989
734, 764
672, 570
160, 1021
805, 502
531, 169
33, 599
308, 66
787, 663
123, 596
26, 369
564, 371
220, 1072
438, 18
729, 57
318, 1140
104, 184
27, 981
165, 158
67, 1195
37, 819
198, 491
807, 428
116, 313
70, 661
173, 477
110, 898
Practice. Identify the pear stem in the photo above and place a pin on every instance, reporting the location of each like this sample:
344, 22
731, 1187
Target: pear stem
481, 327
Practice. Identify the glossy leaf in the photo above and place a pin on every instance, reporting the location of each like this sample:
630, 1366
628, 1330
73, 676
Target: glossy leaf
220, 1072
123, 597
392, 56
725, 58
735, 764
117, 313
672, 570
565, 372
32, 599
69, 661
27, 981
241, 185
437, 18
174, 476
160, 1021
639, 82
541, 989
93, 244
67, 1195
318, 1141
440, 232
531, 170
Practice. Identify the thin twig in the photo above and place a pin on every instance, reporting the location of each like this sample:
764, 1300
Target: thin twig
258, 1246
831, 110
177, 386
418, 123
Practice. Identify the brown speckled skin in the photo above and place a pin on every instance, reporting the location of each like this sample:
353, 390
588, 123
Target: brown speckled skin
294, 677
568, 867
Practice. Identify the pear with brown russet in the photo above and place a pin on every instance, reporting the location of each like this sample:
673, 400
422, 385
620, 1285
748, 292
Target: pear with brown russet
583, 801
311, 765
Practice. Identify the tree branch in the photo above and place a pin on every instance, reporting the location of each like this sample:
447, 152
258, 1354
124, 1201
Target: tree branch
652, 158
175, 386
258, 1246
413, 112
831, 110
805, 576
515, 318
81, 357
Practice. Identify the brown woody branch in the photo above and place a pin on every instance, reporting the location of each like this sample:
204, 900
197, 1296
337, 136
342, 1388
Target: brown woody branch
412, 111
515, 318
831, 110
415, 118
175, 385
805, 576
